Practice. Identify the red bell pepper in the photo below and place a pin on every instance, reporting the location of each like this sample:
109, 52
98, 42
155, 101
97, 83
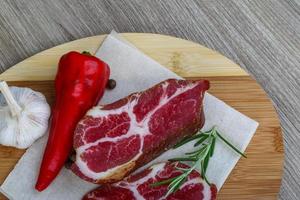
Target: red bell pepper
79, 84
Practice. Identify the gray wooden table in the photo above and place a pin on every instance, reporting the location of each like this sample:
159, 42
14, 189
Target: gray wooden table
262, 36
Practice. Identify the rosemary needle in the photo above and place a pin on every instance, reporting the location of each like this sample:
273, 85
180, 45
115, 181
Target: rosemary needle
205, 141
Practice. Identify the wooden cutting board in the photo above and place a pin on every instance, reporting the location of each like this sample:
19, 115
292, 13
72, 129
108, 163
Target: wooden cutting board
257, 177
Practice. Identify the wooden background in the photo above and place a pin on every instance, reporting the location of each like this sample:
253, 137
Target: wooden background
262, 36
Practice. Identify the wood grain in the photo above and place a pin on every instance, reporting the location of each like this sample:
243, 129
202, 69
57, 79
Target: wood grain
181, 56
257, 177
262, 36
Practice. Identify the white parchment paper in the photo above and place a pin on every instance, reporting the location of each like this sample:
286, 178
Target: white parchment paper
133, 72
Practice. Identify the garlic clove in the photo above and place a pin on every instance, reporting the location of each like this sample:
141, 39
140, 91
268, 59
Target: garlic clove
21, 130
7, 127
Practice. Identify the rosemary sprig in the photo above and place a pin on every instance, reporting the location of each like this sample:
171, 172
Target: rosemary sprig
228, 143
205, 141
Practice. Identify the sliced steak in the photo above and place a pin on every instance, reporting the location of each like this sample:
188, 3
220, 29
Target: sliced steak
139, 186
113, 140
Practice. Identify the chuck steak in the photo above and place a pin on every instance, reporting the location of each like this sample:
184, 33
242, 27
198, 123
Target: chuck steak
138, 186
113, 140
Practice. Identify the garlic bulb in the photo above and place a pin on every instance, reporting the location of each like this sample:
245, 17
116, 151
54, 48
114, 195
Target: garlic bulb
24, 116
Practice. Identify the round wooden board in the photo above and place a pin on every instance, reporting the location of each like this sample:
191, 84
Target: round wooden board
257, 177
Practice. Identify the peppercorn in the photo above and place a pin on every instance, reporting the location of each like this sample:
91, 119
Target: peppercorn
111, 84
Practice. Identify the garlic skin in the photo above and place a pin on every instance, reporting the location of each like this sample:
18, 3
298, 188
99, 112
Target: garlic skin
20, 127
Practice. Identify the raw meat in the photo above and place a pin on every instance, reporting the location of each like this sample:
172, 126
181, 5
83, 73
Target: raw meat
138, 186
113, 140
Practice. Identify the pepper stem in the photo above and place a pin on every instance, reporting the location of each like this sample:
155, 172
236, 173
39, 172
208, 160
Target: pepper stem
86, 53
14, 107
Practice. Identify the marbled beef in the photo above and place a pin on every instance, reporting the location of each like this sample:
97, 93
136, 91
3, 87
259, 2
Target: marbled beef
113, 140
139, 186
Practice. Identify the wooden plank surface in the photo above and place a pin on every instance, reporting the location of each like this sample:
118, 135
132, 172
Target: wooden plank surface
262, 36
259, 176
